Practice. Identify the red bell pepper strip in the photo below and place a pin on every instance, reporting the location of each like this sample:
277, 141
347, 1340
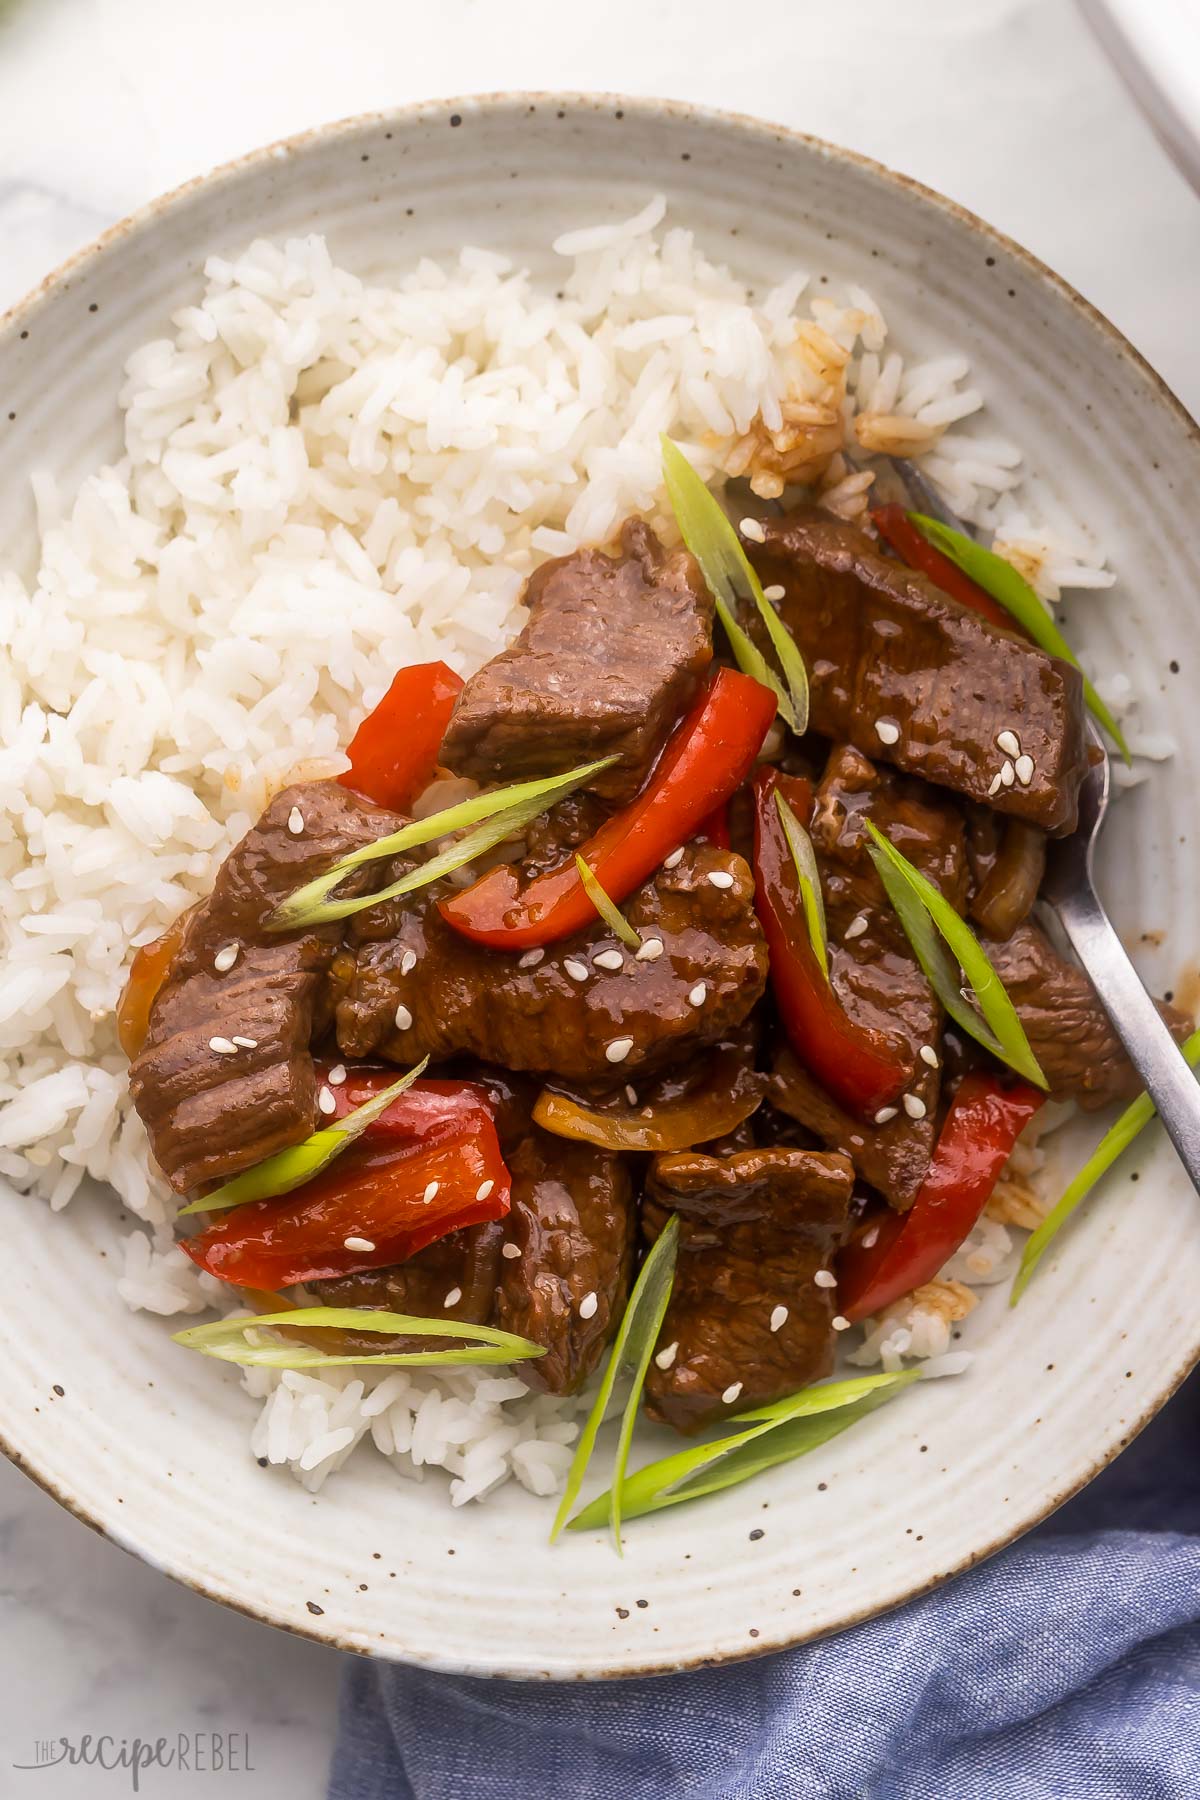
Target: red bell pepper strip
861, 1068
716, 827
707, 757
394, 751
425, 1111
892, 523
397, 1196
984, 1122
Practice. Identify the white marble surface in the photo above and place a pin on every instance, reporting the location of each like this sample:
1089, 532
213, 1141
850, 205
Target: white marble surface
1004, 104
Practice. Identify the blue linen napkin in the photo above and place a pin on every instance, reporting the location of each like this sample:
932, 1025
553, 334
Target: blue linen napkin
1066, 1668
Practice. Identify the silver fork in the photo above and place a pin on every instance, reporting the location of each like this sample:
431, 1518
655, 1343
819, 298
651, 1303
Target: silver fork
1069, 888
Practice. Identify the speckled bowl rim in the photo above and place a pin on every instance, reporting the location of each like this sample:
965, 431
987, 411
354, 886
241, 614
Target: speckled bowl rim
687, 112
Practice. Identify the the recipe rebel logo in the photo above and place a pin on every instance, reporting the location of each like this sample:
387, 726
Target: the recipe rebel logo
188, 1752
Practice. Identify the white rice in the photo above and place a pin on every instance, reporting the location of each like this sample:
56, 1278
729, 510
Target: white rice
322, 480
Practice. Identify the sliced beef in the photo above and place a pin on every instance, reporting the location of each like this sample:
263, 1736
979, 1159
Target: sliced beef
210, 1113
755, 1228
885, 646
611, 656
1068, 1029
454, 1278
456, 997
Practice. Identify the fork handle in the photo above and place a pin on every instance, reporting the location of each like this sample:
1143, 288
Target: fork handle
1136, 1021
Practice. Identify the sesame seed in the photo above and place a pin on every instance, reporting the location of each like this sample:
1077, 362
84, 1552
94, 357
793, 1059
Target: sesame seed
295, 821
222, 1046
408, 962
619, 1049
914, 1106
484, 1189
510, 1251
337, 1074
857, 926
631, 1095
774, 592
358, 1243
698, 995
995, 785
720, 878
575, 969
609, 959
750, 528
453, 1297
779, 1318
666, 1357
731, 1392
673, 861
245, 1043
884, 1114
839, 1323
225, 958
887, 731
431, 1193
651, 950
929, 1055
326, 1101
531, 958
870, 1238
403, 1017
1009, 742
1007, 774
587, 1306
825, 1278
1023, 769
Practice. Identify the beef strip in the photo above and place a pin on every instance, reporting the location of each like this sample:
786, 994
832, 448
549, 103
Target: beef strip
611, 656
461, 998
1068, 1029
754, 1229
466, 1263
882, 643
209, 1114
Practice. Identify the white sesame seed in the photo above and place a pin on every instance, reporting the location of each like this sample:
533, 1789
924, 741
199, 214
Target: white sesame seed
453, 1297
326, 1101
839, 1323
731, 1392
609, 959
408, 962
651, 950
698, 995
337, 1074
222, 1046
619, 1049
1023, 769
779, 1318
914, 1106
720, 878
929, 1055
631, 1095
884, 1114
575, 969
887, 731
673, 861
531, 958
870, 1238
666, 1357
511, 1251
994, 786
357, 1243
431, 1193
750, 528
587, 1306
774, 592
857, 926
825, 1278
295, 821
1007, 774
245, 1043
484, 1189
225, 958
1009, 742
403, 1017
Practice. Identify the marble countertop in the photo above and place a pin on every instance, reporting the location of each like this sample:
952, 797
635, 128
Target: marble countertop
1006, 105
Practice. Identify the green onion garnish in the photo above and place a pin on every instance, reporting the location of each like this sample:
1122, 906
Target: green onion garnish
632, 1348
1112, 1145
509, 809
227, 1339
775, 1434
609, 911
291, 1168
924, 913
999, 579
728, 571
809, 877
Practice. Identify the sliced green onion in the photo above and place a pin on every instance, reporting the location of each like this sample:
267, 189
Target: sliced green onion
291, 1168
921, 909
1112, 1145
227, 1339
998, 578
509, 808
775, 1434
809, 877
608, 909
728, 571
632, 1348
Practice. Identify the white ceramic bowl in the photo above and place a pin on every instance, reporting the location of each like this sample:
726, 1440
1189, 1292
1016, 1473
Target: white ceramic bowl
149, 1443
